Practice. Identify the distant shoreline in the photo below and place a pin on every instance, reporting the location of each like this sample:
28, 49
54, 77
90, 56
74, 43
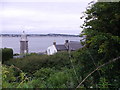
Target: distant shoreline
38, 35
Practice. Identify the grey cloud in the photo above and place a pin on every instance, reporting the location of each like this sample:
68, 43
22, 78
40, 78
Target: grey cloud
42, 17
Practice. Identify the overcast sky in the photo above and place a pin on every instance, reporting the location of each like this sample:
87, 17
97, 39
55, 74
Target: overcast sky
42, 16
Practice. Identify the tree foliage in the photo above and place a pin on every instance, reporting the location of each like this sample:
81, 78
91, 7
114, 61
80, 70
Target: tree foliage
102, 30
7, 54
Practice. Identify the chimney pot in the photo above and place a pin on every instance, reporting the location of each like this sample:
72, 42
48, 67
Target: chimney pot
66, 41
54, 43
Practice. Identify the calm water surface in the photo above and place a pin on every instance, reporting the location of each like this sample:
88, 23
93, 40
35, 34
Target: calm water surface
35, 44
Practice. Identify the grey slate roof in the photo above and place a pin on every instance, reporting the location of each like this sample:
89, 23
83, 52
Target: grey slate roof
72, 45
61, 47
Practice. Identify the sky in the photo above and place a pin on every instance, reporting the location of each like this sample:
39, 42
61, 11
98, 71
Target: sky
42, 16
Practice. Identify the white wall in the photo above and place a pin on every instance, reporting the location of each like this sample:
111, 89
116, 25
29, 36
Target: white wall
51, 50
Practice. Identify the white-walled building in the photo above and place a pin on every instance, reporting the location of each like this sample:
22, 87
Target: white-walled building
51, 50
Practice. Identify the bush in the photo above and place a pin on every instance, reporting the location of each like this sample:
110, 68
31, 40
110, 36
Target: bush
62, 79
53, 71
7, 54
44, 73
59, 60
33, 63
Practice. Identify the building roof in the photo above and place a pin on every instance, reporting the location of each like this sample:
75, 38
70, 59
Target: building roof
61, 47
72, 45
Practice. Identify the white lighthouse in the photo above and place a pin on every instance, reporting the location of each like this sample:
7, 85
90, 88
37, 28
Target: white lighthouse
23, 44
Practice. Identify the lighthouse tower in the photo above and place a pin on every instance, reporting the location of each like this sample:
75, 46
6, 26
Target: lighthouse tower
23, 44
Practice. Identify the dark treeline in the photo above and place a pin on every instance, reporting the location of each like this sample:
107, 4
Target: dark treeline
37, 35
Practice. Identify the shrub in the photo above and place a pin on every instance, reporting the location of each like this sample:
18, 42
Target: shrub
33, 63
62, 79
7, 54
44, 73
11, 80
30, 63
59, 60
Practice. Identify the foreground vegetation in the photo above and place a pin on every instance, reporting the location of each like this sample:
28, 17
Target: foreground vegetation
40, 72
96, 65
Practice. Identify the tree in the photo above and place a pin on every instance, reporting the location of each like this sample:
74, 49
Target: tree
102, 43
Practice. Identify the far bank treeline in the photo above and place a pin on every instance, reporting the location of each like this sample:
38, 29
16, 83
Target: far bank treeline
76, 69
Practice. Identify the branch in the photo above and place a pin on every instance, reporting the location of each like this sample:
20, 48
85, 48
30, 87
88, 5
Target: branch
115, 59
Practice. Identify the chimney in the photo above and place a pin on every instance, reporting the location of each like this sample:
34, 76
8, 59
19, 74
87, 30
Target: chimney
67, 44
54, 43
66, 41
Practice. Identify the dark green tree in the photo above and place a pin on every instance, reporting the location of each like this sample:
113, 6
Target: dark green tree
102, 44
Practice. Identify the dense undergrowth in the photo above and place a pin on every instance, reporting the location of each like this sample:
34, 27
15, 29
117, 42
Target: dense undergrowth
40, 71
